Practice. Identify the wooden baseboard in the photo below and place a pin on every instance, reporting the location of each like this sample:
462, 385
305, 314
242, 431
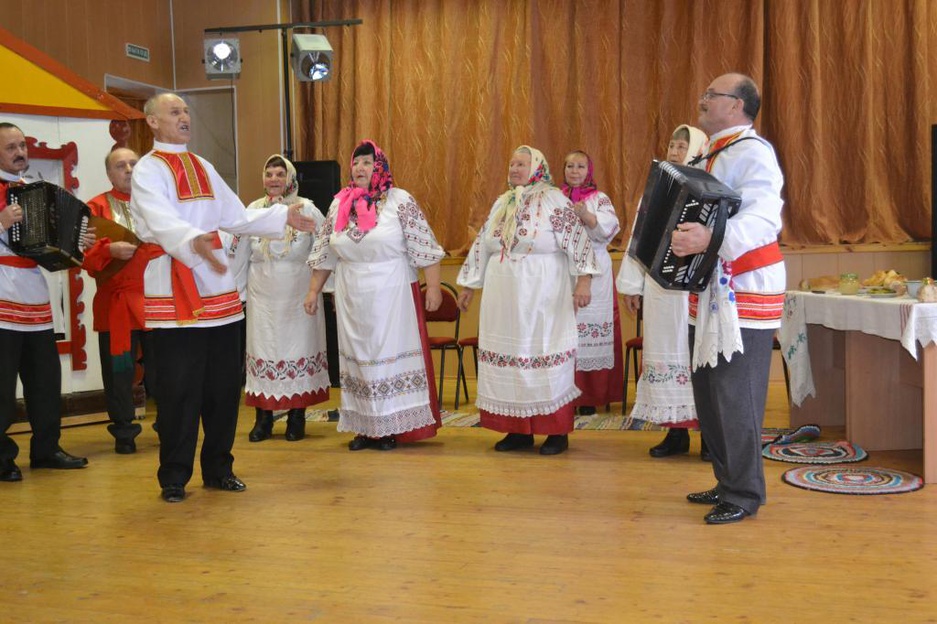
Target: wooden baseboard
75, 404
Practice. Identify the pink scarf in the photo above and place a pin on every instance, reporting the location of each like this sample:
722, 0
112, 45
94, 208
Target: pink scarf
364, 202
588, 187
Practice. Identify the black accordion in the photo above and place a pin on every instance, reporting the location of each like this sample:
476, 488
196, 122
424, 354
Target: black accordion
676, 194
53, 223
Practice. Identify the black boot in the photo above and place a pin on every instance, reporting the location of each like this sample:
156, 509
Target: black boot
263, 426
704, 450
296, 424
676, 443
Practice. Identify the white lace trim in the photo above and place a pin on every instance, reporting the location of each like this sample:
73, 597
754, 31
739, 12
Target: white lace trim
595, 363
662, 414
528, 409
385, 425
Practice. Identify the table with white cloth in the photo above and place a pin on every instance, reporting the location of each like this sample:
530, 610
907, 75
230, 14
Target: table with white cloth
867, 363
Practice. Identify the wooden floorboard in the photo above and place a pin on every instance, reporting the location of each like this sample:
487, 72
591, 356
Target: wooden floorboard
447, 530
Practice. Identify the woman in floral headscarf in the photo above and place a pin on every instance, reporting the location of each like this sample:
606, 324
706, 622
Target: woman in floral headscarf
665, 393
599, 367
375, 238
285, 352
526, 256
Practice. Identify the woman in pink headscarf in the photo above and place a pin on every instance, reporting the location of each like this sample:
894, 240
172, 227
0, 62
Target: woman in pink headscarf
599, 366
526, 257
375, 238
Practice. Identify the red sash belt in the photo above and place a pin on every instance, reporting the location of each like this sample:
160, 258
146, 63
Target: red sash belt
18, 261
757, 258
186, 298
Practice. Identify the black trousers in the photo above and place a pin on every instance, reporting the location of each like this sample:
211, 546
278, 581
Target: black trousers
198, 380
118, 385
730, 404
33, 357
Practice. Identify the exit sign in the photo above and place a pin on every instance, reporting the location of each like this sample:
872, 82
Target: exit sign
138, 52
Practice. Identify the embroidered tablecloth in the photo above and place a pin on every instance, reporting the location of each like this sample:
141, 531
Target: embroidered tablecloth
898, 318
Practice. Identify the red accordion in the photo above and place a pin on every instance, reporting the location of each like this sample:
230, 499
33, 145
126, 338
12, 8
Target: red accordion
676, 194
53, 224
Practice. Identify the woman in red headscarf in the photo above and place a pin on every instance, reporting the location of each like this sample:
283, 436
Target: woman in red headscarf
599, 368
375, 238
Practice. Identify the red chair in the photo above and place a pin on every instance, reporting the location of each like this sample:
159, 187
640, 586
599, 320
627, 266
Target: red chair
463, 343
632, 347
448, 312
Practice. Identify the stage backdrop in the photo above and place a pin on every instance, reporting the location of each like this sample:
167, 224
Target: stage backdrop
450, 87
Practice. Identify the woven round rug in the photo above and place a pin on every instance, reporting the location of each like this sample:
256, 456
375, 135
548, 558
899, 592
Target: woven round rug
853, 480
815, 453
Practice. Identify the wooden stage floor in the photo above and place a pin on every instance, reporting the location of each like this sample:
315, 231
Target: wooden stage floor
449, 531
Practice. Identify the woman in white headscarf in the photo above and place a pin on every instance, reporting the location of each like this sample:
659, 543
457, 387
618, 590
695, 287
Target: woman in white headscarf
286, 360
665, 392
527, 256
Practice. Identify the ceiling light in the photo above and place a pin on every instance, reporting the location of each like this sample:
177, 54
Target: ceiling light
222, 58
311, 58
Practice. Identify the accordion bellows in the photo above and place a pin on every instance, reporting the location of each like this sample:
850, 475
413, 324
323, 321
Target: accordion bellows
53, 223
676, 194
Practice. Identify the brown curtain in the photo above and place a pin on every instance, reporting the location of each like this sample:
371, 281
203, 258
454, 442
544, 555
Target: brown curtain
450, 87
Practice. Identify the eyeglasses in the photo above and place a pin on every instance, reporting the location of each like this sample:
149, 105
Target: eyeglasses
708, 95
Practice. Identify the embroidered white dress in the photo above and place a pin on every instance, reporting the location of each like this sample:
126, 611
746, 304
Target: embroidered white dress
598, 359
665, 391
287, 365
385, 390
527, 335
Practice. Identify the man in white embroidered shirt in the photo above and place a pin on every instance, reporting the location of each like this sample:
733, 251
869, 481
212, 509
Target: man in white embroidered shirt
732, 323
191, 303
27, 341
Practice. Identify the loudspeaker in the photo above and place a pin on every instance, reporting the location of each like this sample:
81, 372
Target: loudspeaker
933, 200
319, 180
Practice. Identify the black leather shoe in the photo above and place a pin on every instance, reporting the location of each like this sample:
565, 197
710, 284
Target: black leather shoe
554, 445
587, 410
704, 450
9, 471
709, 497
229, 483
676, 442
173, 493
387, 443
295, 425
59, 460
725, 513
359, 442
125, 447
514, 441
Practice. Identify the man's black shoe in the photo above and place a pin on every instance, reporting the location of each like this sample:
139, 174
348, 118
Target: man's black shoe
59, 460
725, 513
229, 483
173, 493
709, 497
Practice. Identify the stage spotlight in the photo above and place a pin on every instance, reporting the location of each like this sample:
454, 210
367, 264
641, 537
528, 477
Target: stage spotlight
311, 57
222, 58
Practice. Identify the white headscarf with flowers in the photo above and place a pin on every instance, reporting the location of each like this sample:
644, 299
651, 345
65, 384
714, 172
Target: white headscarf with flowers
539, 182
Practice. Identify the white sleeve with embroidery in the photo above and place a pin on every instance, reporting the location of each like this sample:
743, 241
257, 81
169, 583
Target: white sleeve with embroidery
571, 235
472, 273
608, 225
321, 256
422, 248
